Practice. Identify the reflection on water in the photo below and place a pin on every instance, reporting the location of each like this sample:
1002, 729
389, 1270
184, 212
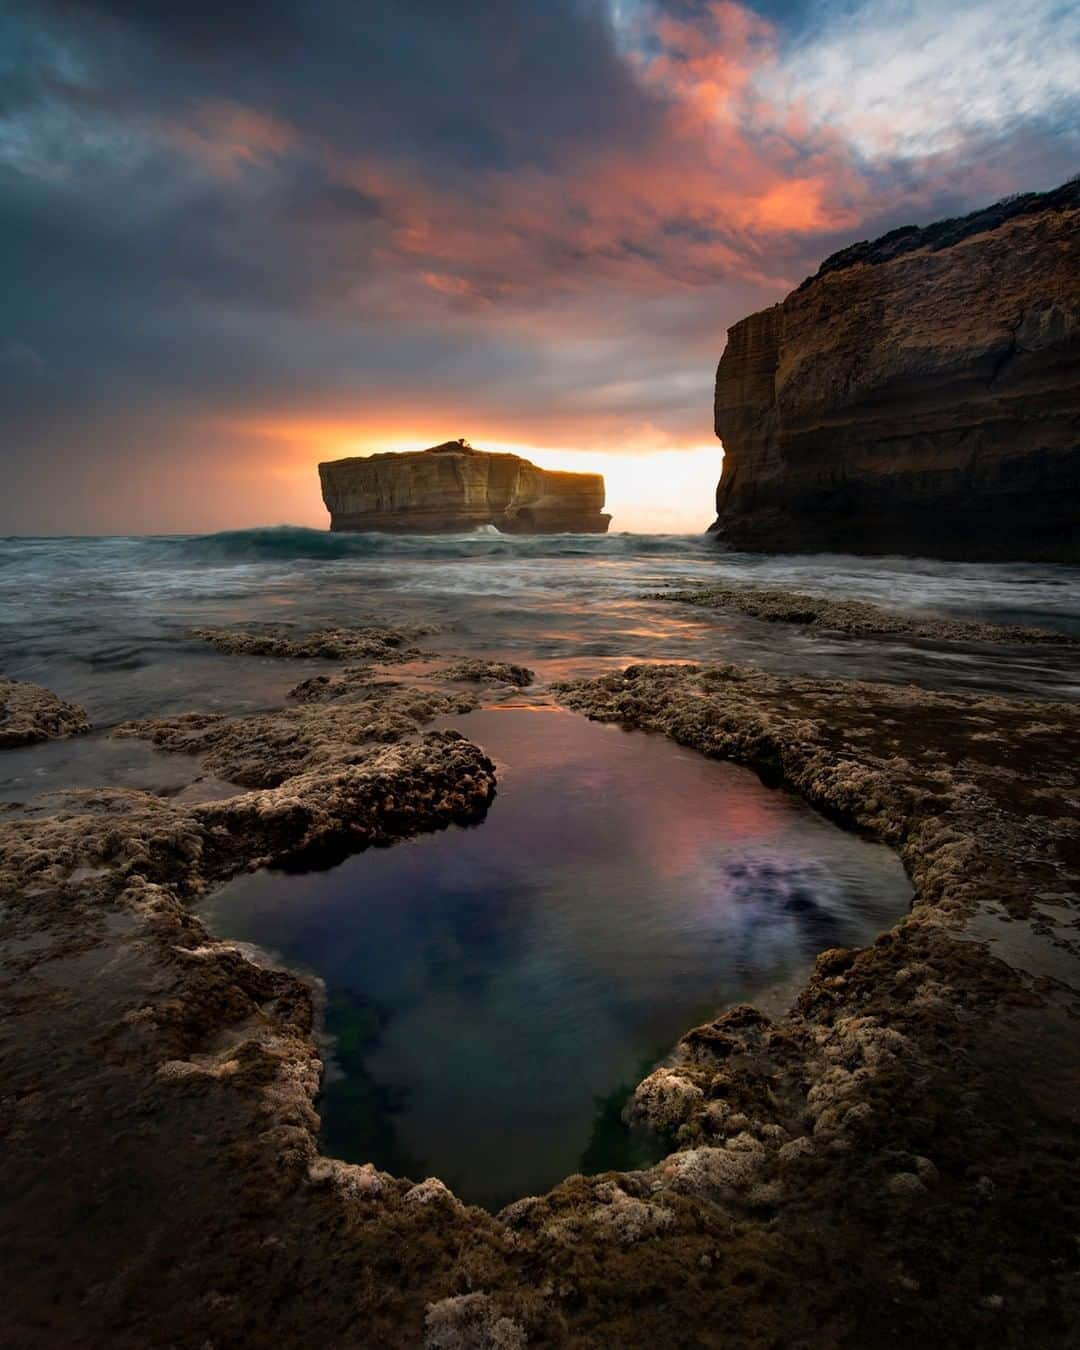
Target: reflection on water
495, 991
37, 776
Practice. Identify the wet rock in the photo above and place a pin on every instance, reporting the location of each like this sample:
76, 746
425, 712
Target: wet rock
335, 725
134, 837
664, 1101
795, 1150
376, 645
29, 713
904, 1184
615, 1217
471, 1322
714, 1172
488, 672
354, 1181
856, 618
894, 1047
432, 1191
149, 1062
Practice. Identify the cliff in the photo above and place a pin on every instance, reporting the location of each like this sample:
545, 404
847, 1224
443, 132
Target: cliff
452, 487
919, 395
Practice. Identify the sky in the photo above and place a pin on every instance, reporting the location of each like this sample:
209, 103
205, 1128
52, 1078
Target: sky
237, 238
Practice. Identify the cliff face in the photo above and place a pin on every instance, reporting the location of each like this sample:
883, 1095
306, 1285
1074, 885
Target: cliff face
919, 395
452, 487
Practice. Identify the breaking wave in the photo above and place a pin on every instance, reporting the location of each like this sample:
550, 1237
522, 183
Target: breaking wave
280, 543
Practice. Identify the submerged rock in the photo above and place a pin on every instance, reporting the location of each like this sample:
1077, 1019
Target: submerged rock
29, 713
917, 396
378, 645
452, 487
858, 618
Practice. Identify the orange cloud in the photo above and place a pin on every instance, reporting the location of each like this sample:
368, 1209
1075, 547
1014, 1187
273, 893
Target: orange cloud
227, 137
701, 196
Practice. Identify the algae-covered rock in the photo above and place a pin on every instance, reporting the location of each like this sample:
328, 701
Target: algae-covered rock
29, 713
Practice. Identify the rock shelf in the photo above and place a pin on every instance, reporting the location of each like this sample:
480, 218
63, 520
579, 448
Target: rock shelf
848, 1174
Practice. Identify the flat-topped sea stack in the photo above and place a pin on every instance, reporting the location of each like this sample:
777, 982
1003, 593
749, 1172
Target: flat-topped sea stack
919, 395
451, 488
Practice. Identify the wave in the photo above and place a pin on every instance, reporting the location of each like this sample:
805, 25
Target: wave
283, 543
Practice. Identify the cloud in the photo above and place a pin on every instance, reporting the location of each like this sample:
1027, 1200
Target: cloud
533, 222
911, 78
18, 361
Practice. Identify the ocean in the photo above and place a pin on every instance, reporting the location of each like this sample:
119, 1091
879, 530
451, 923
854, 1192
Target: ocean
106, 621
491, 995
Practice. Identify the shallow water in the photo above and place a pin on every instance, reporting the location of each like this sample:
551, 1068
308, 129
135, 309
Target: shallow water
107, 622
494, 992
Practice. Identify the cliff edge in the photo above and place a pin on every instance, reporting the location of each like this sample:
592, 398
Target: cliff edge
919, 395
453, 487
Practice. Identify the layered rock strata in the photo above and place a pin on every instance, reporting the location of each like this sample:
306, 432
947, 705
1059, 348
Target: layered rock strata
919, 395
452, 487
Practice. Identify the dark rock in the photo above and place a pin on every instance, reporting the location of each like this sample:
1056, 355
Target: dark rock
29, 713
917, 396
472, 671
857, 618
379, 645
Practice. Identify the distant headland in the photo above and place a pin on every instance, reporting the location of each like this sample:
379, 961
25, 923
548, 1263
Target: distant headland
453, 487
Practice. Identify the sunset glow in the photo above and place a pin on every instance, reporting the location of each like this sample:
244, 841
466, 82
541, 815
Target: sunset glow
667, 491
239, 247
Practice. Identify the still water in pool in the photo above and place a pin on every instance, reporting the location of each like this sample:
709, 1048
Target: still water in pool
494, 992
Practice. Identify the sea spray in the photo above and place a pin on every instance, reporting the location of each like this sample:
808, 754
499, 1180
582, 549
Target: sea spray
286, 542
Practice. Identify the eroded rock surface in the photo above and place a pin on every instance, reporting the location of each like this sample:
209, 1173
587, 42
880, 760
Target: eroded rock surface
29, 713
470, 670
377, 645
339, 718
857, 618
917, 396
891, 1163
453, 487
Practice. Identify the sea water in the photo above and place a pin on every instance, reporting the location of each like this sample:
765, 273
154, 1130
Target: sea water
493, 993
107, 622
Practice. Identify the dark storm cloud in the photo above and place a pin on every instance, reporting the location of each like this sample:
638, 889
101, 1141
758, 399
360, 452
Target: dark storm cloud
541, 208
200, 26
480, 82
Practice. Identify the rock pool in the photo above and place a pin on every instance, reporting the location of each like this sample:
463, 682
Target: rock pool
493, 993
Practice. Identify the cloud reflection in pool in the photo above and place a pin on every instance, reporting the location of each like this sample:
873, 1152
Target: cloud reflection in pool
492, 991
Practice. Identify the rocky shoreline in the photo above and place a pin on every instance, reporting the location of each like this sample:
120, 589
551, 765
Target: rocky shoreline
893, 1162
856, 618
29, 714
